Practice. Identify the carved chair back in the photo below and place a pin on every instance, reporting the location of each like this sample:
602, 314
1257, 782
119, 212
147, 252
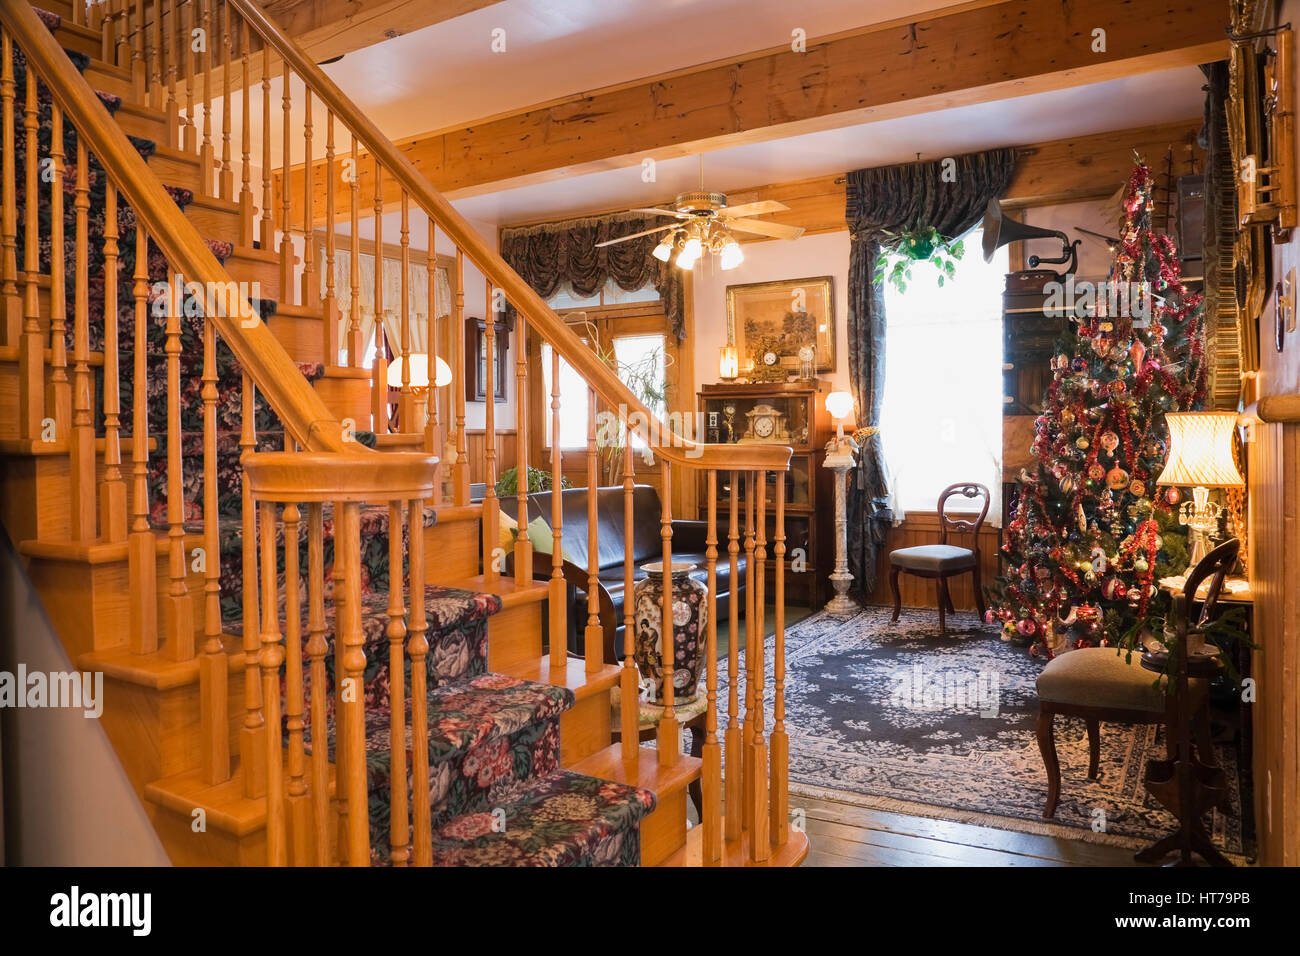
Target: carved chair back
970, 489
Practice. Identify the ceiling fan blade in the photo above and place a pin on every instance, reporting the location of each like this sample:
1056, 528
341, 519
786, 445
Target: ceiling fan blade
662, 212
773, 229
760, 208
635, 235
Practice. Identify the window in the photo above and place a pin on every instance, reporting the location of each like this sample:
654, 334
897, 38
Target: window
641, 366
941, 418
610, 294
573, 403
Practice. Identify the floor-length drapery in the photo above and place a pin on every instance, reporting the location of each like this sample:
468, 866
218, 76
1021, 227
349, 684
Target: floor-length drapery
950, 195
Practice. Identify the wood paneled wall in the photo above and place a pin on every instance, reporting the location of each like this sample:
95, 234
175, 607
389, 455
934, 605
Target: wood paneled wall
923, 528
476, 445
1274, 457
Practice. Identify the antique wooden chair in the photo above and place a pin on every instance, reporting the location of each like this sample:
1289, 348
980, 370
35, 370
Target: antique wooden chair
1106, 683
943, 560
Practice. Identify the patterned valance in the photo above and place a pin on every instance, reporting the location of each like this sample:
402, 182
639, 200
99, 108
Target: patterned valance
562, 256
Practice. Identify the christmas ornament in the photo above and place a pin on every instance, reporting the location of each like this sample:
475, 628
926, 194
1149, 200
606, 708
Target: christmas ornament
1113, 589
1137, 488
1117, 479
1096, 472
1081, 443
1079, 364
1172, 495
1109, 442
1027, 627
1140, 565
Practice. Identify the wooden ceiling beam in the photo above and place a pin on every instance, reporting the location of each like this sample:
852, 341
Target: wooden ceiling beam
1074, 169
976, 53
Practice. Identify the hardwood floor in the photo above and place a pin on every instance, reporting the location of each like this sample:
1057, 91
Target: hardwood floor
844, 835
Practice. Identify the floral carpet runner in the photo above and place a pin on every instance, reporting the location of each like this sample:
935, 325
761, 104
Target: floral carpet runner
497, 794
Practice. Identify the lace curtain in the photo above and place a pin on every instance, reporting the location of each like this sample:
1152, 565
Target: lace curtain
420, 301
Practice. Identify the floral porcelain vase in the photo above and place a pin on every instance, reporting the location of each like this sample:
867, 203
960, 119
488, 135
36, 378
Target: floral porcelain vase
688, 641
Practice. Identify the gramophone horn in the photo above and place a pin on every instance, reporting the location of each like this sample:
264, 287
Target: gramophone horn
1000, 230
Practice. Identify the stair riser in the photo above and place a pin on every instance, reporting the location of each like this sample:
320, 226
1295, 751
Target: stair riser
349, 398
663, 832
156, 733
213, 222
584, 729
301, 336
213, 848
452, 548
136, 121
34, 502
514, 635
176, 170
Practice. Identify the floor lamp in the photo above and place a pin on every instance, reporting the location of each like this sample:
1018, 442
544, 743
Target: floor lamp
840, 458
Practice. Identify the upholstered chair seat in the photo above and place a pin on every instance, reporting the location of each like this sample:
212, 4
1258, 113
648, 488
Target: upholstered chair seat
933, 557
1100, 677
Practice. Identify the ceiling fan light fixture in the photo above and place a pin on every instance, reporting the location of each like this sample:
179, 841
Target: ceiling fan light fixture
664, 251
731, 255
693, 248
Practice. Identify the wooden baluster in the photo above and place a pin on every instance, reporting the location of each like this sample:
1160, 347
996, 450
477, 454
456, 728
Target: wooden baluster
286, 194
190, 134
179, 613
491, 504
59, 397
733, 776
155, 57
139, 71
271, 656
207, 156
779, 755
355, 345
711, 784
310, 283
351, 737
266, 240
78, 13
419, 649
629, 685
122, 53
252, 752
523, 547
299, 810
432, 422
112, 492
329, 308
170, 108
747, 722
13, 306
142, 553
379, 371
213, 666
247, 215
226, 188
399, 850
558, 631
317, 648
406, 399
593, 636
759, 838
460, 473
31, 352
83, 422
669, 737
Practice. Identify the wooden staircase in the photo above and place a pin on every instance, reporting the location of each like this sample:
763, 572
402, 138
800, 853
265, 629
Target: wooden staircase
188, 702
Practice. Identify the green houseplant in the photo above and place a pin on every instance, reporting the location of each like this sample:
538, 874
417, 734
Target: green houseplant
904, 249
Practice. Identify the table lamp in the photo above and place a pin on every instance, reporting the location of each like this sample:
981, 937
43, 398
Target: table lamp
1200, 458
728, 363
419, 385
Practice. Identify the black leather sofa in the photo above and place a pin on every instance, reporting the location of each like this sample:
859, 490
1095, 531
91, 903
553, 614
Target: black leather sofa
688, 545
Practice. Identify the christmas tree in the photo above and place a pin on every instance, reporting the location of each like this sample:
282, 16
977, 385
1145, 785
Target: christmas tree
1090, 533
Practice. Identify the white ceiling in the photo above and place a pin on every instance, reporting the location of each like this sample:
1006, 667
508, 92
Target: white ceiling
447, 75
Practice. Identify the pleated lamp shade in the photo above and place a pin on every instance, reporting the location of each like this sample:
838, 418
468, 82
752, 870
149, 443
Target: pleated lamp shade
1200, 450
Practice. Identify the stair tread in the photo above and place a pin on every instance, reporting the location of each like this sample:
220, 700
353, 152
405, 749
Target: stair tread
608, 764
736, 852
224, 804
561, 819
510, 591
156, 669
574, 676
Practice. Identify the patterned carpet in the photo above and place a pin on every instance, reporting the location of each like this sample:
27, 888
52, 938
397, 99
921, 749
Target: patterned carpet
893, 717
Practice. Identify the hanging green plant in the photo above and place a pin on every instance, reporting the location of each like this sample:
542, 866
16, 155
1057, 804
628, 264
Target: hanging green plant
904, 249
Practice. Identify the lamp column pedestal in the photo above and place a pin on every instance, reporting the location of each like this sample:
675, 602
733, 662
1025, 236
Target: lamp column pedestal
839, 458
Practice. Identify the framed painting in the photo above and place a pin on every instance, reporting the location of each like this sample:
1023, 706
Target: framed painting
777, 323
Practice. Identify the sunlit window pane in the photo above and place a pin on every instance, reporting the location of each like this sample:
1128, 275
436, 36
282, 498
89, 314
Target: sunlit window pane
573, 403
941, 419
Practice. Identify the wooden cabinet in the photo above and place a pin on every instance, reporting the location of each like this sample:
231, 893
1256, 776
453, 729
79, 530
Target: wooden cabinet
791, 414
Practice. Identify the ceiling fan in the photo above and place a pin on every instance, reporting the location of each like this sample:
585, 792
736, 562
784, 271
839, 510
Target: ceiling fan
705, 222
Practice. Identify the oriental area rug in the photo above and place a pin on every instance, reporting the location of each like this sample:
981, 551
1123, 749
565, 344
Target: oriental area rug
894, 717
